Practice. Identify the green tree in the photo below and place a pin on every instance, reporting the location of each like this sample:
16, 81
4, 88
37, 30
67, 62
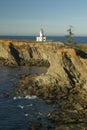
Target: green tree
70, 35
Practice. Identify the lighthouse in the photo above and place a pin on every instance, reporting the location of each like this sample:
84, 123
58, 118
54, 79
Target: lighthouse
41, 37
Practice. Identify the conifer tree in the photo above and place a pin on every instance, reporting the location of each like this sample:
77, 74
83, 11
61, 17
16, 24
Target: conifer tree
70, 35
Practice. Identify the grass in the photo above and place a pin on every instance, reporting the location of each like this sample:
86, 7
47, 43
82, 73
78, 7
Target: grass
82, 47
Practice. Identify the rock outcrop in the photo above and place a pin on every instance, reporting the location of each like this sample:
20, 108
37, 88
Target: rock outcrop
65, 82
21, 53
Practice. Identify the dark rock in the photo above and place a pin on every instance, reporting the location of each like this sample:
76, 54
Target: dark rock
34, 125
50, 127
6, 95
62, 127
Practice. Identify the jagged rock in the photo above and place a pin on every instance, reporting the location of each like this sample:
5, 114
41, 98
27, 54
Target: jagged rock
65, 82
6, 95
34, 125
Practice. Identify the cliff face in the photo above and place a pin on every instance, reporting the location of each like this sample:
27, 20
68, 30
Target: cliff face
66, 64
64, 83
22, 53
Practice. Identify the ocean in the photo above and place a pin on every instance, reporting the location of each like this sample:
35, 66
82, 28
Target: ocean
17, 111
77, 39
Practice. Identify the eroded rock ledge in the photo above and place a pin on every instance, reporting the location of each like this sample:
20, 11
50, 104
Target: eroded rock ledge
65, 82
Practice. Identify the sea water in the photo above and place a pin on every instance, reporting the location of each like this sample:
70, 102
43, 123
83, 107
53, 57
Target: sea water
17, 110
77, 39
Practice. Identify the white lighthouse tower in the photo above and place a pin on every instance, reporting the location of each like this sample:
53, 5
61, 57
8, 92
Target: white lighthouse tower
41, 36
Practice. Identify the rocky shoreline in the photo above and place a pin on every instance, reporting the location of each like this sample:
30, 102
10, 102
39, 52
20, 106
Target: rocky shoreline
65, 82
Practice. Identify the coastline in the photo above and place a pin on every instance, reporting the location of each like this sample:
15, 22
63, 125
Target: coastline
65, 81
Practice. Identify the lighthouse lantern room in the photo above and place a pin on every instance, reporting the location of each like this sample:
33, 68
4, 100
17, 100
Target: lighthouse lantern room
41, 36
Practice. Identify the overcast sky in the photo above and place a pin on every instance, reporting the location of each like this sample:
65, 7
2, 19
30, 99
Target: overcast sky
26, 17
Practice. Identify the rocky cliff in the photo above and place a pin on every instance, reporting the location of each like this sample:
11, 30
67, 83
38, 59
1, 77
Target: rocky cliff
22, 53
65, 82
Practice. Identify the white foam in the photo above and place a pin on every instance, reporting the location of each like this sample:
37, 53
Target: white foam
21, 106
26, 97
30, 97
48, 115
30, 105
14, 98
26, 114
40, 113
18, 97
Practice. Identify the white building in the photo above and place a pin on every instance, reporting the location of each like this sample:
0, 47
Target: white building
41, 36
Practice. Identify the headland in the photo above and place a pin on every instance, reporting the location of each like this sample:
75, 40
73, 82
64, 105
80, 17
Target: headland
65, 81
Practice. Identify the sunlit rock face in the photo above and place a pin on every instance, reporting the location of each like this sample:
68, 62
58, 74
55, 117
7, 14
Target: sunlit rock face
65, 82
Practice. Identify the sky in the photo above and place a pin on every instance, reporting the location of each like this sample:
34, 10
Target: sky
27, 17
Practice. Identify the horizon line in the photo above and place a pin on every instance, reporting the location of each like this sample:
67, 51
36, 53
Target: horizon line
46, 35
